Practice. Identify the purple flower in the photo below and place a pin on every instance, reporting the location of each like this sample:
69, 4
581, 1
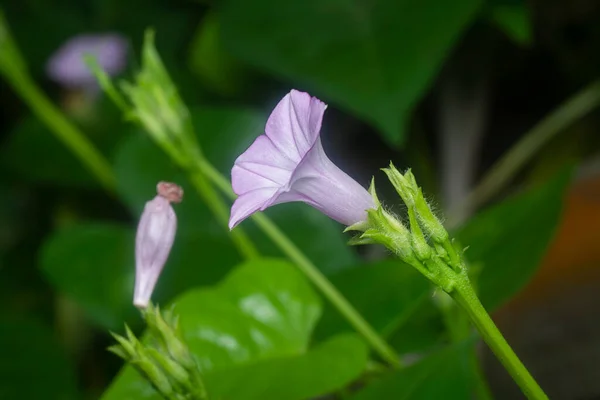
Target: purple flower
288, 164
154, 239
67, 67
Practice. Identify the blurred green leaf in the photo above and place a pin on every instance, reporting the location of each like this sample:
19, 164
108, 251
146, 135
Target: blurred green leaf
446, 374
250, 335
423, 331
513, 19
211, 63
33, 152
387, 293
509, 240
94, 265
57, 22
375, 59
224, 132
33, 364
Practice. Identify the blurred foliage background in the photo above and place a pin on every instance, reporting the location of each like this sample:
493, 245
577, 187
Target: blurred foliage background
446, 88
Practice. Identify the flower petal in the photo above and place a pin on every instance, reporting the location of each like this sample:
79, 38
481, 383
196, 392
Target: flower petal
249, 203
319, 182
295, 124
68, 67
261, 166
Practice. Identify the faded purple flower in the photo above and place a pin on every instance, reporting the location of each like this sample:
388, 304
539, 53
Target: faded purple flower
67, 67
288, 164
154, 239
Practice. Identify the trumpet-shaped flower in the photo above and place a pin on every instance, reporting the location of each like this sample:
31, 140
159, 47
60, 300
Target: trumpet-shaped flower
288, 164
154, 239
68, 68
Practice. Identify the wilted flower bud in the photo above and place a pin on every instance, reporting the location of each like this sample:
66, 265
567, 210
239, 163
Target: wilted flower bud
154, 239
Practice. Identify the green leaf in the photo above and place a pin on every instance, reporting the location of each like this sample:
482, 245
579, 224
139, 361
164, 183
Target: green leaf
446, 374
375, 59
224, 133
423, 331
33, 152
94, 265
328, 367
509, 240
387, 293
250, 335
57, 23
513, 19
211, 63
33, 364
263, 309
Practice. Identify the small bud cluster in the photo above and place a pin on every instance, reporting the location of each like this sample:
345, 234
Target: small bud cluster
157, 106
152, 101
162, 358
425, 244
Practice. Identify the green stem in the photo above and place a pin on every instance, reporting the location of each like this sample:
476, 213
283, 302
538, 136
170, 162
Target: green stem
465, 296
64, 130
457, 326
505, 169
221, 212
385, 351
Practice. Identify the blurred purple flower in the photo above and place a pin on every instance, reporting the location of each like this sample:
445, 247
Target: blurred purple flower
154, 239
67, 67
288, 164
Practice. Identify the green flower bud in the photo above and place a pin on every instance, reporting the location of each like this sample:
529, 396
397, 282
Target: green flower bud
169, 337
177, 374
154, 374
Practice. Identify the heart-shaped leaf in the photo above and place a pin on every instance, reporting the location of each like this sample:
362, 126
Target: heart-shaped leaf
375, 59
254, 326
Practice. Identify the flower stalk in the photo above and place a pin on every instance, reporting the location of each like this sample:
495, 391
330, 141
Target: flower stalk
440, 262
